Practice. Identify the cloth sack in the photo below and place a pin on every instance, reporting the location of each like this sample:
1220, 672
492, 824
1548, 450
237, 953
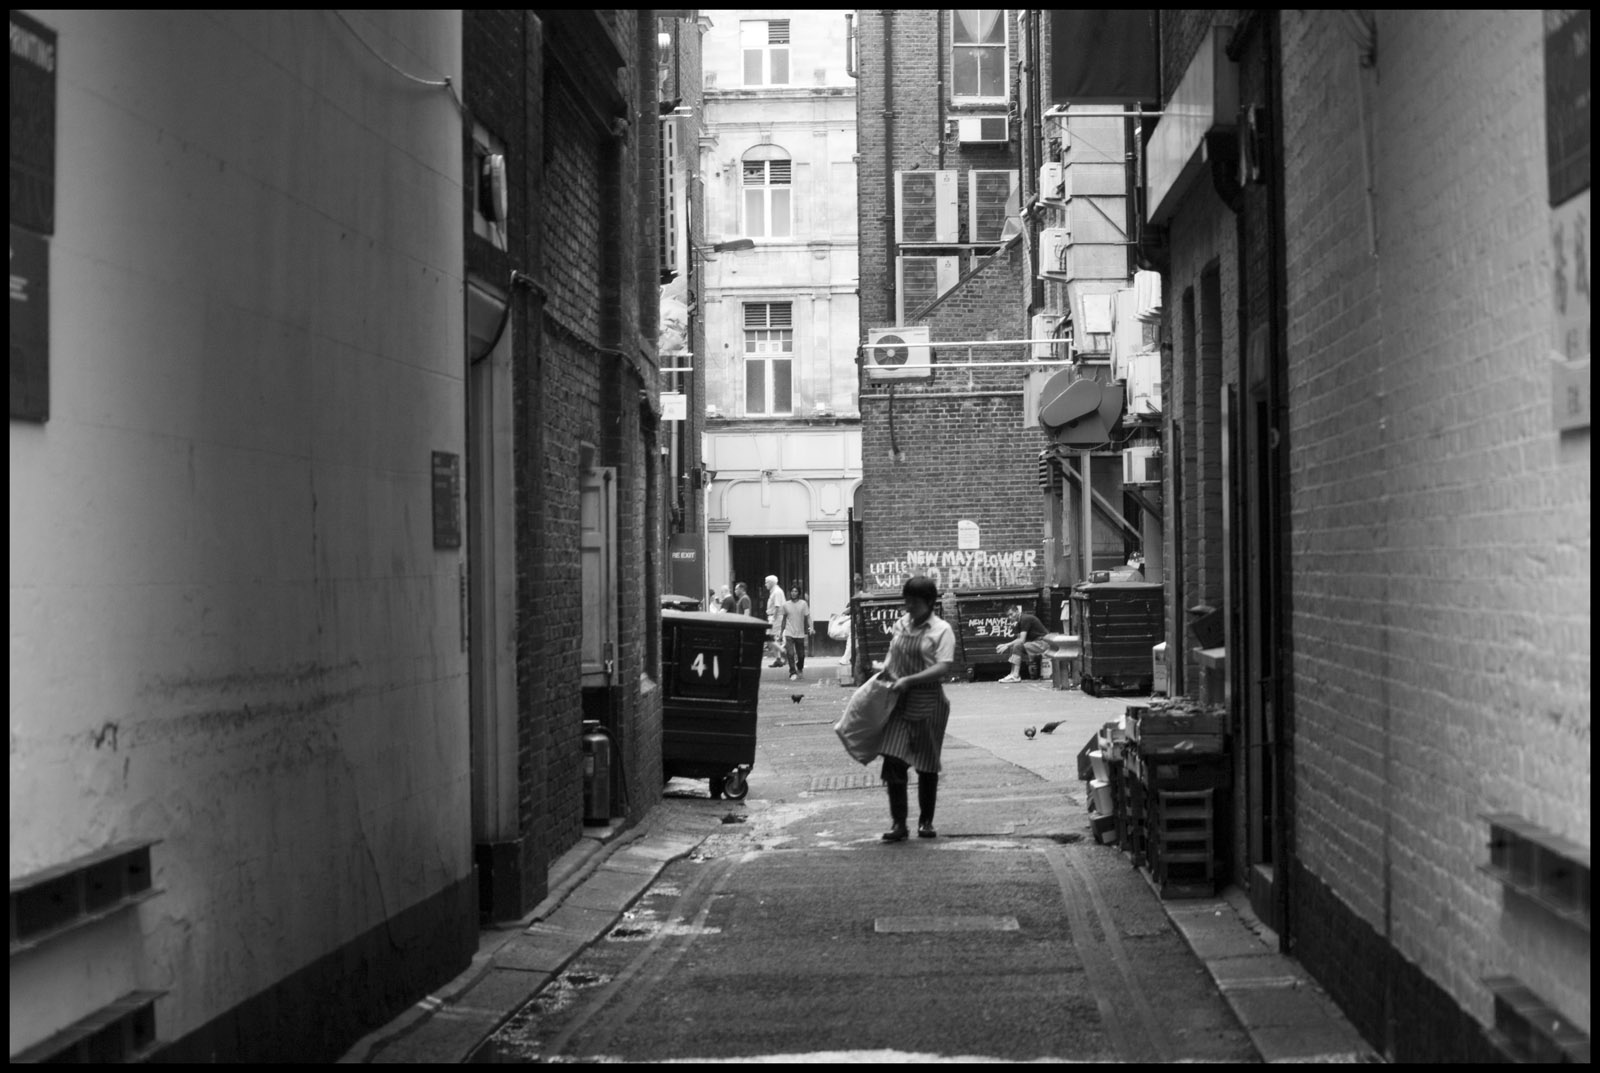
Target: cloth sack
861, 726
839, 626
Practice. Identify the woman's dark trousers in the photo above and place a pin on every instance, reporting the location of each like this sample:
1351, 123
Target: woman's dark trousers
896, 780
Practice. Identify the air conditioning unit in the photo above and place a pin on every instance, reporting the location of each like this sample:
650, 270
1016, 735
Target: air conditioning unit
1054, 243
1046, 326
925, 207
1141, 465
1144, 383
920, 280
991, 198
1052, 181
898, 353
983, 130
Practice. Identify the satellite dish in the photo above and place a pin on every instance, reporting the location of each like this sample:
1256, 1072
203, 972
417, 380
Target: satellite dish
895, 355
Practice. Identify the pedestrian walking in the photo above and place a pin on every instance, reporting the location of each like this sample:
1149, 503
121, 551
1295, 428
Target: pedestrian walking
921, 648
725, 601
741, 598
1028, 642
848, 659
775, 621
796, 628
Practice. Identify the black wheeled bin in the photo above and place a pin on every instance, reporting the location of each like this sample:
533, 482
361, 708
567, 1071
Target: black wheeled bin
711, 675
673, 602
872, 620
1120, 622
981, 624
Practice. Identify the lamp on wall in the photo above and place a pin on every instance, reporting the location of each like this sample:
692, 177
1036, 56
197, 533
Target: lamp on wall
736, 245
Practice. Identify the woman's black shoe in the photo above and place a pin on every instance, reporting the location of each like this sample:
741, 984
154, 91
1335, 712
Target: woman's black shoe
925, 830
897, 833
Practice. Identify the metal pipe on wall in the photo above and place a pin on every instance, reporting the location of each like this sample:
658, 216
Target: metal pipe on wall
1086, 498
888, 157
939, 66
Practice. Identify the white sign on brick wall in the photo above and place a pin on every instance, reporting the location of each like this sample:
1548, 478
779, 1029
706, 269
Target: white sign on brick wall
967, 536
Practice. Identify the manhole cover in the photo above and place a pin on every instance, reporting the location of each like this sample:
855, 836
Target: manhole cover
920, 924
861, 780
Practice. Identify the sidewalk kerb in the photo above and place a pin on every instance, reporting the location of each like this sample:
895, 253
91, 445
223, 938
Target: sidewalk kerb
675, 841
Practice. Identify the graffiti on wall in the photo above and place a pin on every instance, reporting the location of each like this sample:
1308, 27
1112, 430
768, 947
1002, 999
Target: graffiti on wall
952, 570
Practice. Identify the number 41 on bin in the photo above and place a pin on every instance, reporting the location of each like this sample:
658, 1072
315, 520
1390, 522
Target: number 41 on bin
701, 666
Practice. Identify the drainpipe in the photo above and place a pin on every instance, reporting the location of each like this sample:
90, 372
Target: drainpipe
888, 155
938, 61
1278, 414
1037, 105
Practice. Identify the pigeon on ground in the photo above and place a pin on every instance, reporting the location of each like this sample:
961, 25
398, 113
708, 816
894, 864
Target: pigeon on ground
797, 697
734, 817
1029, 732
1048, 727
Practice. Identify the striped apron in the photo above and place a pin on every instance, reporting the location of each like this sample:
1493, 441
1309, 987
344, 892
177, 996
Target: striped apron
915, 731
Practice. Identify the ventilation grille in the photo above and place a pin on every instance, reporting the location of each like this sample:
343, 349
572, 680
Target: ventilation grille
1528, 1030
919, 207
920, 276
78, 893
1049, 473
769, 315
767, 172
990, 192
124, 1031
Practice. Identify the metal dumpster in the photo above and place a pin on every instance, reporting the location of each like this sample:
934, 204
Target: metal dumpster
1119, 621
872, 620
981, 624
673, 602
711, 679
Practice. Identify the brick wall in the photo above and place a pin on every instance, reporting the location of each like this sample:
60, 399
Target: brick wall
964, 455
1441, 527
1203, 281
583, 351
1182, 32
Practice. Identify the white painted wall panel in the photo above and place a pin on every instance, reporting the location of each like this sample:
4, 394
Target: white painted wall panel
229, 627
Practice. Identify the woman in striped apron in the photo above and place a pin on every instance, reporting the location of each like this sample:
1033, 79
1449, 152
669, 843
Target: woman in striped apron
920, 653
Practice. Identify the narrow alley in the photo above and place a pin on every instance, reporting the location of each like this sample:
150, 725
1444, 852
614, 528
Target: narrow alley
465, 463
783, 928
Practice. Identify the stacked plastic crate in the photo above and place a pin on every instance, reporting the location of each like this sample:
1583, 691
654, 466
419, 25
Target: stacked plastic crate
1177, 766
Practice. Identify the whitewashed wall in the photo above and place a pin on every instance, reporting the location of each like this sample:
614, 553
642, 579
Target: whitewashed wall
230, 629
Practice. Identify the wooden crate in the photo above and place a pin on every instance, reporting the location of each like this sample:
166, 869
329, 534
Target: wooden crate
1183, 844
1185, 771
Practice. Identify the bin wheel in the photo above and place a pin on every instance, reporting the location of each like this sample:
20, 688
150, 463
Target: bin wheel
736, 786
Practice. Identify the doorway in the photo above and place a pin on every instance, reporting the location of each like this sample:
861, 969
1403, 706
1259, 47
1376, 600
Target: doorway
751, 559
1259, 670
491, 595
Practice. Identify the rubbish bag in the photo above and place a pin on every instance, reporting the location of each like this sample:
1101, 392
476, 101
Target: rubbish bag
860, 728
839, 626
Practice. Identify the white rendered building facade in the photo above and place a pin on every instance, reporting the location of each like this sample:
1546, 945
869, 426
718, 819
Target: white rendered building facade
783, 440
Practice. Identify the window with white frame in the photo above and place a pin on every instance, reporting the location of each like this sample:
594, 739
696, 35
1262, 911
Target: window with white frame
978, 54
765, 45
768, 357
768, 185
